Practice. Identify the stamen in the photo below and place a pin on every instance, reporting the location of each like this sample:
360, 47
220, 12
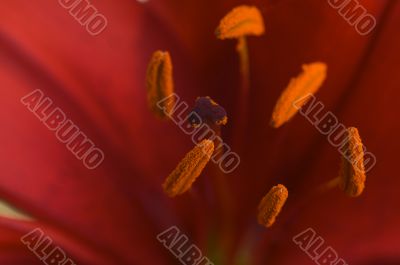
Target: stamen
308, 82
182, 178
209, 111
159, 82
271, 205
352, 174
241, 21
243, 52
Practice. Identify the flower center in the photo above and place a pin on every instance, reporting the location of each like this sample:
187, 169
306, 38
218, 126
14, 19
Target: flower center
241, 22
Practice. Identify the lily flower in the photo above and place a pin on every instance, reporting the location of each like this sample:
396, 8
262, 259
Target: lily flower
113, 213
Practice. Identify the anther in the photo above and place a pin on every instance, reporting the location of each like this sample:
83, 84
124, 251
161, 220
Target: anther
191, 166
241, 21
307, 83
352, 174
160, 85
271, 205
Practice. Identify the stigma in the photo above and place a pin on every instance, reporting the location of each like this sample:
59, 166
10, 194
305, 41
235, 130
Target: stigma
209, 112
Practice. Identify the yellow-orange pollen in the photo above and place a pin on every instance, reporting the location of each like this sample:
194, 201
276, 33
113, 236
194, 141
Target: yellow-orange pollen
308, 82
352, 174
187, 171
271, 205
241, 21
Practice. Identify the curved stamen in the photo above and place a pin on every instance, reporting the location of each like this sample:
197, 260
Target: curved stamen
159, 83
352, 173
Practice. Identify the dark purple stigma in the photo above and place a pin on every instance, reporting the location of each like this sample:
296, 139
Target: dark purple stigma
208, 111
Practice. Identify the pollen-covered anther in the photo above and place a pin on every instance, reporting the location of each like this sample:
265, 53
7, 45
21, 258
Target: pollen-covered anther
159, 83
187, 171
352, 174
241, 21
271, 205
208, 111
303, 86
